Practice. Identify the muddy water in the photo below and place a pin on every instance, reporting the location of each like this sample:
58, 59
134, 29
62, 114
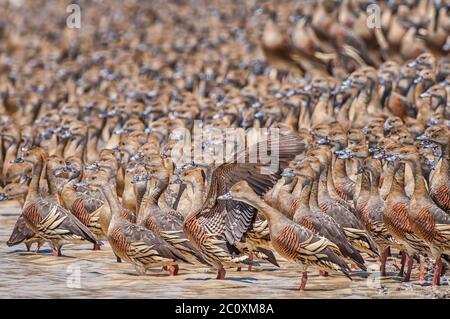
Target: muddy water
83, 273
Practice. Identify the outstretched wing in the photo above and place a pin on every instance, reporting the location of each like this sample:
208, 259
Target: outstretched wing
261, 176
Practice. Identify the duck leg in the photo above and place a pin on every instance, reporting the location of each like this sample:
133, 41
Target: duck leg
96, 247
422, 268
28, 245
238, 268
383, 260
402, 263
57, 252
251, 260
173, 270
323, 273
304, 280
221, 274
409, 266
118, 258
38, 248
437, 272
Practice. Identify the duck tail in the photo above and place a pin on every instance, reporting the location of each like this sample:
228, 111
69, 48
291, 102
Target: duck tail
337, 263
362, 241
177, 255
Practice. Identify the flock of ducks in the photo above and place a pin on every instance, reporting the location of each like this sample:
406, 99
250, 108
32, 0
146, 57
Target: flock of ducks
363, 114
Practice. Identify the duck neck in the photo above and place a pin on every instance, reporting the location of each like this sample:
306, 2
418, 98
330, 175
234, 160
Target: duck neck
52, 186
153, 194
297, 189
38, 174
364, 192
198, 188
113, 203
313, 195
374, 182
75, 146
69, 194
339, 170
91, 146
398, 182
323, 180
420, 189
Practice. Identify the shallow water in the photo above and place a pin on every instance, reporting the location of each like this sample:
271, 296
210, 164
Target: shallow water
83, 273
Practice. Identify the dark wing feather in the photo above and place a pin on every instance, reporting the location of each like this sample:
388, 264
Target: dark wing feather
136, 233
240, 216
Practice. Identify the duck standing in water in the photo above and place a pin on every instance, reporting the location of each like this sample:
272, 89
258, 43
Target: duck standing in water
292, 241
43, 214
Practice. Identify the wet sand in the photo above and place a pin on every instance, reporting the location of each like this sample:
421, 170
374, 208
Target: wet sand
29, 275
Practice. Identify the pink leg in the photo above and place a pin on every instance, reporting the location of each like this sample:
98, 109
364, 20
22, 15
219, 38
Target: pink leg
402, 265
323, 273
409, 265
251, 259
96, 247
57, 252
422, 269
238, 269
304, 280
383, 259
173, 270
437, 272
221, 274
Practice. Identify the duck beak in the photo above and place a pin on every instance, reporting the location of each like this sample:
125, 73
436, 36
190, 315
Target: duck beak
139, 178
346, 84
3, 197
429, 144
423, 137
121, 131
115, 149
392, 158
82, 184
175, 181
66, 134
412, 64
379, 156
92, 167
259, 114
24, 179
323, 141
225, 196
373, 149
425, 94
59, 172
365, 130
432, 164
288, 173
344, 154
17, 160
69, 169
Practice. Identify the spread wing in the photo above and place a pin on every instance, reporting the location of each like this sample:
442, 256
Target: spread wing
261, 176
